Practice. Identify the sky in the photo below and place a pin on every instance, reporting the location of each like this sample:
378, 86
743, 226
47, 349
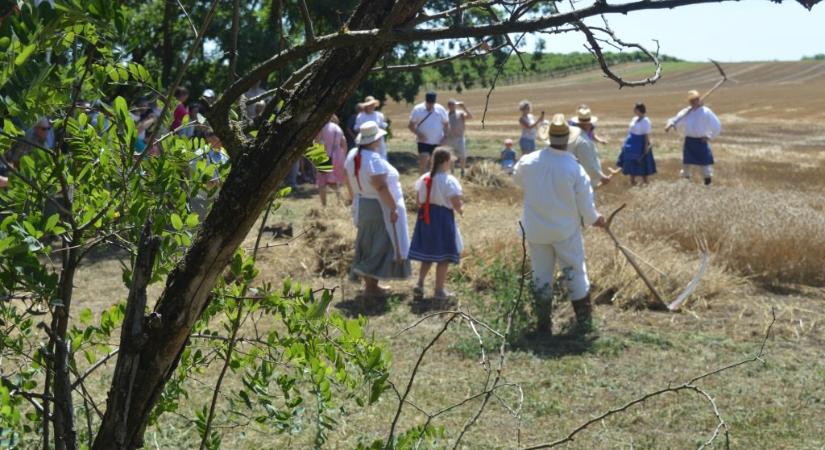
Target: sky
749, 30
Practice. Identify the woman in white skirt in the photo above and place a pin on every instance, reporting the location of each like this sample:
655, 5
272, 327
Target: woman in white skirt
436, 239
382, 242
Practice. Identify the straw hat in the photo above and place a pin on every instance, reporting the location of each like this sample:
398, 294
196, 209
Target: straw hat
693, 95
369, 133
557, 131
369, 101
584, 116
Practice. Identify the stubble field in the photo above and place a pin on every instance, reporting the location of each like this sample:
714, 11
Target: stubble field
763, 220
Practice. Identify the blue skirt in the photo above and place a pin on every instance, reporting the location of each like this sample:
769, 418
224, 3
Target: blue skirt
697, 152
436, 242
633, 160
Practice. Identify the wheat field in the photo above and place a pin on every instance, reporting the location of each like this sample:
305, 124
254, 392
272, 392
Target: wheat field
763, 222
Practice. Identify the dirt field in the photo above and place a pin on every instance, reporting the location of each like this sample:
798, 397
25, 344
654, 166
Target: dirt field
763, 220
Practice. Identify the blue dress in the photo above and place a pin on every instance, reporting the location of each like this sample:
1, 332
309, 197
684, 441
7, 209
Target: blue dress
633, 160
435, 241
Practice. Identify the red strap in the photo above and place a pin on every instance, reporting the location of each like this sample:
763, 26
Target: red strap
358, 169
425, 210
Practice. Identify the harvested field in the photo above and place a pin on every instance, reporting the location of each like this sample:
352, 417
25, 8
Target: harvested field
763, 220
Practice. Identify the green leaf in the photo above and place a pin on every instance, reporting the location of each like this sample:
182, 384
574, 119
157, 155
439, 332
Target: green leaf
86, 316
24, 54
51, 222
176, 221
192, 220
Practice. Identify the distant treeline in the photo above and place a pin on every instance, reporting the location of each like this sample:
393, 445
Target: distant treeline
819, 57
468, 73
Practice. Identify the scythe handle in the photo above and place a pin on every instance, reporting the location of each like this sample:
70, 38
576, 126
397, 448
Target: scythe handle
629, 257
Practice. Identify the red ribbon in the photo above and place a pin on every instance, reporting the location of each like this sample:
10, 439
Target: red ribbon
425, 208
358, 168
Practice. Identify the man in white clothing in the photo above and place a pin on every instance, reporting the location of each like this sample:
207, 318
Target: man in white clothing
583, 146
700, 126
558, 199
430, 123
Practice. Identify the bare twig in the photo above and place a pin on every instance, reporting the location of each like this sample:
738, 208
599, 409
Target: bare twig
596, 50
687, 386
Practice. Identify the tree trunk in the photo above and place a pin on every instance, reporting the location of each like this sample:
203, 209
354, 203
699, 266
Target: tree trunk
167, 51
255, 174
65, 436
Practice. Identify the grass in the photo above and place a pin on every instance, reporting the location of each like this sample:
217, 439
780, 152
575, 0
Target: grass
763, 220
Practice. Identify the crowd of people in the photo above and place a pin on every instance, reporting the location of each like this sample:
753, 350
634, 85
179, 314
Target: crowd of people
558, 181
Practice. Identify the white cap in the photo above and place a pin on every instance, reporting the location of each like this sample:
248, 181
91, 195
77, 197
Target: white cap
209, 93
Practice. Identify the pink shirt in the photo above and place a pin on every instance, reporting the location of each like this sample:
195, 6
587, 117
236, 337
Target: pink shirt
180, 112
335, 144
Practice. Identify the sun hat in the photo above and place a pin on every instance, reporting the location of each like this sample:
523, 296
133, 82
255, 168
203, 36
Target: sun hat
692, 95
583, 115
508, 141
369, 101
557, 131
369, 133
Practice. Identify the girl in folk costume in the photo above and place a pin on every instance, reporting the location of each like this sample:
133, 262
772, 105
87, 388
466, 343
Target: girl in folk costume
636, 156
382, 241
436, 239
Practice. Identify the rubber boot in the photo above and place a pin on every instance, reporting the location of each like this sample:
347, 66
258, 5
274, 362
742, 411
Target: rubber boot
542, 307
584, 313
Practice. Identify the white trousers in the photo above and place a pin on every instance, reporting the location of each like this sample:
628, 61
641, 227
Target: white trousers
570, 255
687, 170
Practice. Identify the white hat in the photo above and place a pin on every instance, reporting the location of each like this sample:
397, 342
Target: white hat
369, 133
209, 94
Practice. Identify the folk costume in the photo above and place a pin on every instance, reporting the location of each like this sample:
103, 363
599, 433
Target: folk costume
635, 158
558, 198
374, 116
436, 237
583, 146
332, 138
381, 247
699, 126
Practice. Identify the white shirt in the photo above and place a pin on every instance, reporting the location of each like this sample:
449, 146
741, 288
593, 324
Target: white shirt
372, 164
377, 117
433, 126
640, 126
444, 187
557, 196
529, 133
584, 150
699, 123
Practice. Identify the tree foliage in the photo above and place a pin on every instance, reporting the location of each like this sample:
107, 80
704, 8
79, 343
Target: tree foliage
85, 192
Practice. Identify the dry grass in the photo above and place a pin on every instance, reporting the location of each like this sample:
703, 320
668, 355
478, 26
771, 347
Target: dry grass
487, 174
614, 280
775, 236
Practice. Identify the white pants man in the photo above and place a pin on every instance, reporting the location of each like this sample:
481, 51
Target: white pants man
568, 255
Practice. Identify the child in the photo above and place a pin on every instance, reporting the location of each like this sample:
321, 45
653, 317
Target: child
436, 238
508, 156
636, 156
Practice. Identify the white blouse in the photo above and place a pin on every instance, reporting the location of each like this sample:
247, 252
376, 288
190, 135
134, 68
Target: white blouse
372, 164
444, 187
640, 126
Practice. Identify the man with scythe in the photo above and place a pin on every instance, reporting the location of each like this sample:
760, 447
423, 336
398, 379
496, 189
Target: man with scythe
700, 125
558, 199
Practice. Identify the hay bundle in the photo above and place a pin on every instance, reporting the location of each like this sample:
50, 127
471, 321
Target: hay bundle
333, 250
487, 174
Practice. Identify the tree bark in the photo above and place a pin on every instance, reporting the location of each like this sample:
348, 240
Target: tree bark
256, 172
65, 435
